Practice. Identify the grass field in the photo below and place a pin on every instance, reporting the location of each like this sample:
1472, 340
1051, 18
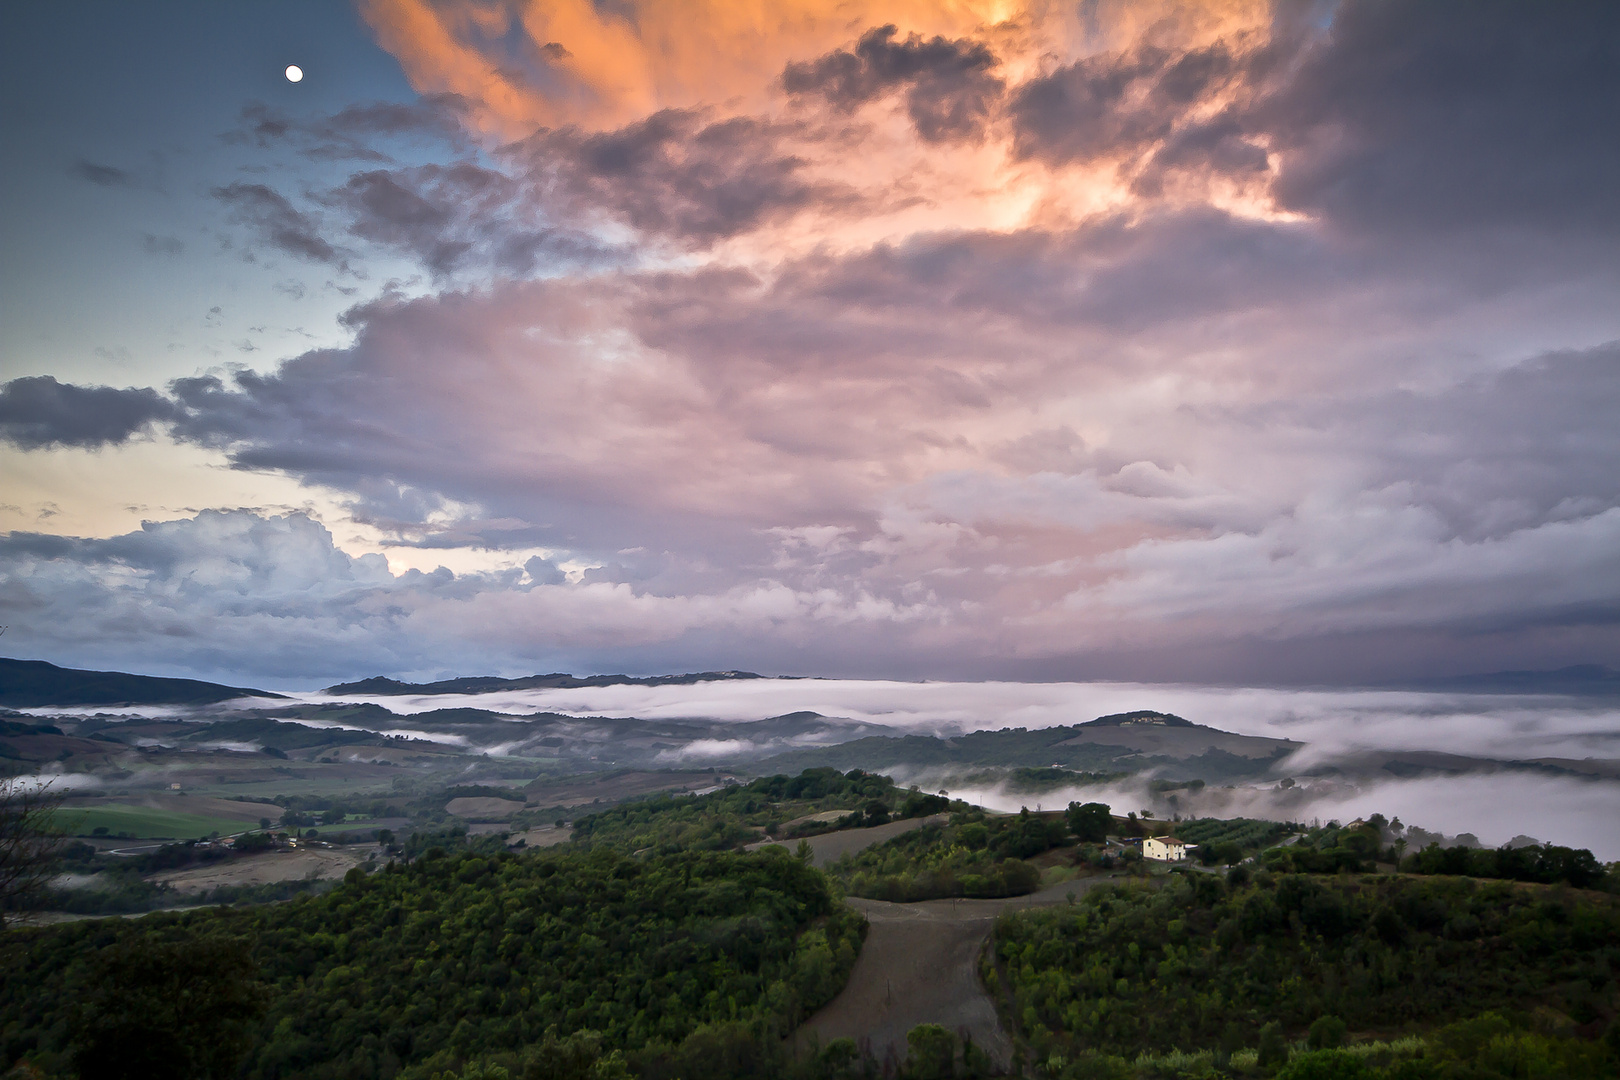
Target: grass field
143, 822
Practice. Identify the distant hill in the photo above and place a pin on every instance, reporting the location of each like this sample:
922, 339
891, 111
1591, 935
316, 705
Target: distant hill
1581, 679
1143, 718
488, 684
1124, 741
28, 684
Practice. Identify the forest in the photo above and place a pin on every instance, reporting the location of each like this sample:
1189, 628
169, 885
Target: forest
415, 969
1237, 970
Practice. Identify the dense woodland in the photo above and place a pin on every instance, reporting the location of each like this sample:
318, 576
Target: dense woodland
1200, 964
415, 969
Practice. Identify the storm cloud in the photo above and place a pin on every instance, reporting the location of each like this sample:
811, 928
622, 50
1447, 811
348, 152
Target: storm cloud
38, 412
1218, 343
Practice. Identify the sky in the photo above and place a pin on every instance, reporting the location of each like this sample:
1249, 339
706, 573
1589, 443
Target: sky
1160, 341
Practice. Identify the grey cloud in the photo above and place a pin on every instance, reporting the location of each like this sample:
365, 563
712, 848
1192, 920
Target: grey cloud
1501, 452
676, 175
1114, 105
354, 133
1400, 120
277, 221
948, 86
101, 175
1433, 117
162, 245
38, 411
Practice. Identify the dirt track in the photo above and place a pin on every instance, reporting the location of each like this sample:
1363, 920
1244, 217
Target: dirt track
920, 966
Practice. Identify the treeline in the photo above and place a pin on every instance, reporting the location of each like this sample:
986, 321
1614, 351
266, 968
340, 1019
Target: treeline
1334, 849
1547, 864
726, 819
1197, 965
418, 969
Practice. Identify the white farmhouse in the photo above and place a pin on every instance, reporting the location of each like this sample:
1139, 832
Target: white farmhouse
1165, 849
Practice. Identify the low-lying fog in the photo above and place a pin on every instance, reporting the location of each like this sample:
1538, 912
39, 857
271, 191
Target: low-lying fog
1332, 723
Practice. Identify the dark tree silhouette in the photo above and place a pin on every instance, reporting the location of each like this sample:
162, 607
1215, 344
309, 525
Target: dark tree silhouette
175, 1010
28, 846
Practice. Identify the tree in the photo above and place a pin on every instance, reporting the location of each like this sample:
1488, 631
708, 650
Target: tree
1090, 821
931, 1052
28, 846
1273, 1047
168, 1010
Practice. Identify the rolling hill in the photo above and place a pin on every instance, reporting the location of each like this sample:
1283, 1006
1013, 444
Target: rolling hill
26, 684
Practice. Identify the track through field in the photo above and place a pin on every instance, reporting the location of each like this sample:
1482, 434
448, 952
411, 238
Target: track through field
919, 965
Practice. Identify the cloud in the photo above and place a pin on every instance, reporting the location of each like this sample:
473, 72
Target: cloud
678, 174
1411, 120
162, 245
553, 64
1118, 105
101, 175
1178, 340
948, 85
224, 589
277, 221
38, 412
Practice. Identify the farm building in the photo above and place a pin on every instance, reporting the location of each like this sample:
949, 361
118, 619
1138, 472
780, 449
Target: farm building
1165, 849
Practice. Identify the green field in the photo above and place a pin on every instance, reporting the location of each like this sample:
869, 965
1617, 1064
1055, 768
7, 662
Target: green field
143, 822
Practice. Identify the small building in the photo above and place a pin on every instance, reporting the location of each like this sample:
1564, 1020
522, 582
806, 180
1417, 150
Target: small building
1165, 849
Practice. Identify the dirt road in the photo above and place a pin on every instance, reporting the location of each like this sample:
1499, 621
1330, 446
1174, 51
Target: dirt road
920, 966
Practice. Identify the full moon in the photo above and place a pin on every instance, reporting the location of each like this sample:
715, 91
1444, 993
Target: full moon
294, 73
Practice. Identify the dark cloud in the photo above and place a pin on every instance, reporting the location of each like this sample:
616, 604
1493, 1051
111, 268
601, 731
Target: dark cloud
1117, 106
1436, 117
1419, 119
277, 221
102, 175
949, 87
363, 132
677, 175
38, 411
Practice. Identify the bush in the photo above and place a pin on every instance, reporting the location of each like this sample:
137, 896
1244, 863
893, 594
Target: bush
1324, 1065
1326, 1033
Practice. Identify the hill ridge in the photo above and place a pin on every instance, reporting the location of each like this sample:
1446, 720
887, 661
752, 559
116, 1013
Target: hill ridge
382, 685
28, 684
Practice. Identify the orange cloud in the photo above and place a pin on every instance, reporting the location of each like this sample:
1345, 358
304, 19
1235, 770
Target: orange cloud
523, 64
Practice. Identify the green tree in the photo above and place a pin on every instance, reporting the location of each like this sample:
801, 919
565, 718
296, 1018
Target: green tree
1273, 1048
1326, 1033
1089, 822
177, 1010
930, 1052
1324, 1065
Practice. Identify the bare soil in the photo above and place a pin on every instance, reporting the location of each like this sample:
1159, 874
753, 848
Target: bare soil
478, 808
545, 836
920, 965
614, 787
301, 864
832, 846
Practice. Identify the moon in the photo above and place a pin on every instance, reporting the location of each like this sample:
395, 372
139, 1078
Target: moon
294, 73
